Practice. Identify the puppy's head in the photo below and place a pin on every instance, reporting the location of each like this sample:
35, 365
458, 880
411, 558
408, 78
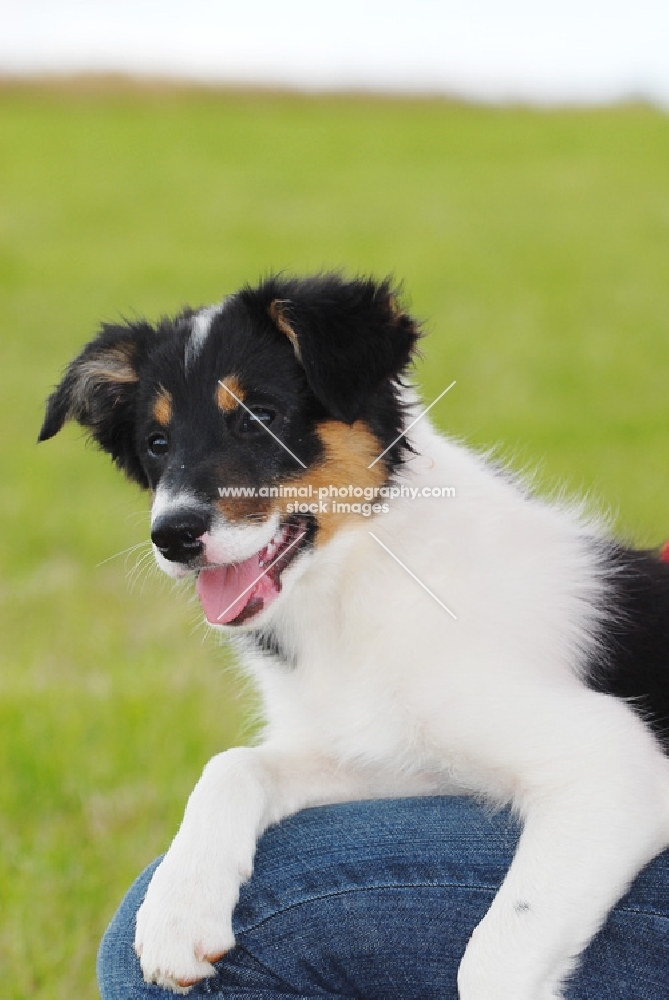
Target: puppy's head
235, 414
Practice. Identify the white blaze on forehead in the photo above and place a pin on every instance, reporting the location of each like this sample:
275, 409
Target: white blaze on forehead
201, 326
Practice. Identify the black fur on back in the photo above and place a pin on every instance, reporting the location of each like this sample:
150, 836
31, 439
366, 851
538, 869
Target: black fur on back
633, 661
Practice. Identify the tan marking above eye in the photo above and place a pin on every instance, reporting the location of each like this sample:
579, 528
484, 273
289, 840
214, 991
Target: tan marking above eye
227, 389
162, 407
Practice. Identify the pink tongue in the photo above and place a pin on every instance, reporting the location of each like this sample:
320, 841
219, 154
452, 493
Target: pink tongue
226, 591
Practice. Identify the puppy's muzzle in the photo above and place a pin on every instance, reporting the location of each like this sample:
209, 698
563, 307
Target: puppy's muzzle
178, 536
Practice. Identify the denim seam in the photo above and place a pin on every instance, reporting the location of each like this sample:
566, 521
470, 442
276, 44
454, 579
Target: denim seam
367, 888
479, 887
641, 912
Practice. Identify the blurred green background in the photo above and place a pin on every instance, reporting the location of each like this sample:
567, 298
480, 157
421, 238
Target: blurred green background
534, 244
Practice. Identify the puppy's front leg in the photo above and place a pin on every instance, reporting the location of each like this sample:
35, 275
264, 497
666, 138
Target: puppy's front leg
185, 921
596, 814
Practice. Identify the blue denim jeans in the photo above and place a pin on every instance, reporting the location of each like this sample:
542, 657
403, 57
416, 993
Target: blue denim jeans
378, 900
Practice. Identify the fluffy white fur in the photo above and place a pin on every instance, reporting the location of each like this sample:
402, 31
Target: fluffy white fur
391, 696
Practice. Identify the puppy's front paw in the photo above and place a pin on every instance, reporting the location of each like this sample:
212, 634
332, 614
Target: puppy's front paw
496, 969
185, 921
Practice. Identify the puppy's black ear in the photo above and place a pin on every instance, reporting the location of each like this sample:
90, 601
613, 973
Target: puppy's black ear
350, 336
99, 390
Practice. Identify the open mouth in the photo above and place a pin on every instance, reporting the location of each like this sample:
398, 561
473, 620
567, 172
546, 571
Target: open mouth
232, 594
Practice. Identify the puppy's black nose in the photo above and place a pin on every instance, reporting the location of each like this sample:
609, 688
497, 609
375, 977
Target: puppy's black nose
177, 535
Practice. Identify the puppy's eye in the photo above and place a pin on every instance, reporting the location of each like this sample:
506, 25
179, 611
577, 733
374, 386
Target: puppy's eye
259, 416
157, 445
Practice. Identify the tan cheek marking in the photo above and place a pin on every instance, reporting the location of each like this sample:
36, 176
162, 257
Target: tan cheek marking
226, 390
278, 317
349, 450
162, 408
246, 508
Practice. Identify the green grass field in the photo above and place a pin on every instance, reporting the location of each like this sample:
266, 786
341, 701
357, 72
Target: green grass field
536, 246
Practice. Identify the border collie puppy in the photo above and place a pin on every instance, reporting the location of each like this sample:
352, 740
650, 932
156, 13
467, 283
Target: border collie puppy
491, 644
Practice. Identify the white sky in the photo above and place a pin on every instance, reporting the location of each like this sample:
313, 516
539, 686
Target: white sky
537, 50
